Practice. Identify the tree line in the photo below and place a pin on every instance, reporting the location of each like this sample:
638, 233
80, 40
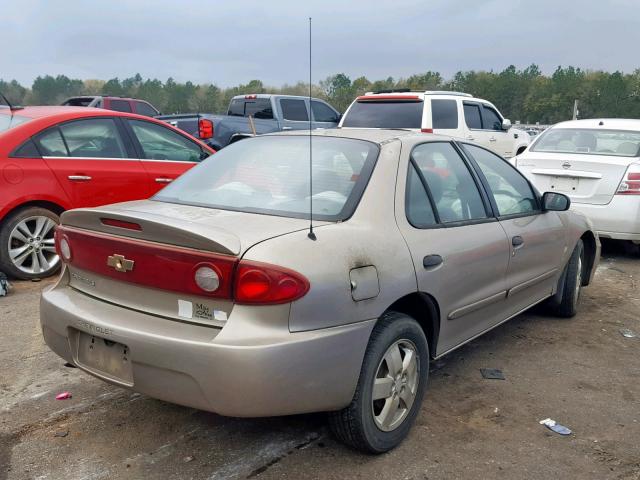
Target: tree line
526, 95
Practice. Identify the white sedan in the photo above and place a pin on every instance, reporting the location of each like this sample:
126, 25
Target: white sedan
597, 164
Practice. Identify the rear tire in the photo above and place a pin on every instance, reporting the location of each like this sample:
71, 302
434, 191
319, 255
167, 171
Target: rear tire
568, 305
395, 370
27, 248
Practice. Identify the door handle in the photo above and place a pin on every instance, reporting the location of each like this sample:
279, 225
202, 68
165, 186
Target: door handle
431, 261
79, 178
286, 128
517, 241
164, 180
492, 139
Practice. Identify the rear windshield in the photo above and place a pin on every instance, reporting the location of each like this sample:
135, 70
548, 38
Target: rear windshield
270, 175
7, 121
384, 114
619, 143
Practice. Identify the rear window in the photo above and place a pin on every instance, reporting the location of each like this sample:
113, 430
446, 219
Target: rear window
78, 101
258, 108
270, 175
384, 114
7, 122
619, 143
444, 113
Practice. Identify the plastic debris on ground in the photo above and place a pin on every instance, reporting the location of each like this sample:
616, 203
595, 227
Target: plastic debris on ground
4, 285
61, 433
492, 373
626, 333
63, 396
555, 426
187, 459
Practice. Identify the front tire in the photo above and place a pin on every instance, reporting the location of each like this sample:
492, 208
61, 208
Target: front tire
27, 249
390, 389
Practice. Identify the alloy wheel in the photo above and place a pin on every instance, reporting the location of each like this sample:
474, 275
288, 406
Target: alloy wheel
395, 385
32, 246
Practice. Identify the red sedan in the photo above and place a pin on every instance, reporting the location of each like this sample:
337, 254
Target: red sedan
56, 158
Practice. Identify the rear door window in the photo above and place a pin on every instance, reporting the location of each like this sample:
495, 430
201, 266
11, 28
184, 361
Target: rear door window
472, 116
259, 108
444, 113
120, 105
450, 184
161, 143
51, 144
295, 110
93, 138
384, 114
418, 206
322, 112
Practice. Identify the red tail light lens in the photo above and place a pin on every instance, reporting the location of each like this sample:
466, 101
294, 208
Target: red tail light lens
205, 128
261, 284
426, 130
630, 184
179, 269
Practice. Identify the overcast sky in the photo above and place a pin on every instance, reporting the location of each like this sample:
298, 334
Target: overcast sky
231, 42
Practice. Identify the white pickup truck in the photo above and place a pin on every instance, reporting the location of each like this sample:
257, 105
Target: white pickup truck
455, 114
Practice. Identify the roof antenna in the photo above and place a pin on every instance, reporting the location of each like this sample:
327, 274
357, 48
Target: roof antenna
311, 235
12, 108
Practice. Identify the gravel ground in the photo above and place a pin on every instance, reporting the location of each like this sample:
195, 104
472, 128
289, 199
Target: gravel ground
581, 372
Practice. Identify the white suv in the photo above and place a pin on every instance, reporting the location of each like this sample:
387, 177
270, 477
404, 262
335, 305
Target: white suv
454, 114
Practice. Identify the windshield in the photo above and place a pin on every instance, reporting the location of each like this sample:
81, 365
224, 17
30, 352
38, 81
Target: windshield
384, 114
620, 143
270, 175
8, 121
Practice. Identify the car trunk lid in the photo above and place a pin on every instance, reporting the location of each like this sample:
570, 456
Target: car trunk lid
585, 178
143, 255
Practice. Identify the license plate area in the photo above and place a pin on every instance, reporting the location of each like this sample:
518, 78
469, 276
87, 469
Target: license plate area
564, 184
103, 357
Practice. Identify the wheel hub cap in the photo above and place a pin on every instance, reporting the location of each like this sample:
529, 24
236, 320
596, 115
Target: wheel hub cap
32, 247
395, 385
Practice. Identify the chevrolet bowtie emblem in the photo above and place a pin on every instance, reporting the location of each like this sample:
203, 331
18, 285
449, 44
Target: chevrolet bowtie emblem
120, 263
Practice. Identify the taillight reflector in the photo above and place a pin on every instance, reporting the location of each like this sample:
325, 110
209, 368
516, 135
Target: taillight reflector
205, 128
261, 284
114, 222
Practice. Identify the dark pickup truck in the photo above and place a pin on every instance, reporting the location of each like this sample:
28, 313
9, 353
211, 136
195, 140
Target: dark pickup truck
256, 114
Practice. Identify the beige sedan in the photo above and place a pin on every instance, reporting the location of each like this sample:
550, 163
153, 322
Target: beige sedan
216, 294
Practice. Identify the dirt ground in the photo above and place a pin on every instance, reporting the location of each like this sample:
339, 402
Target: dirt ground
581, 372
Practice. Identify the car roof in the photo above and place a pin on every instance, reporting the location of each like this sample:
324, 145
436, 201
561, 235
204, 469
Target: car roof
601, 124
375, 135
63, 112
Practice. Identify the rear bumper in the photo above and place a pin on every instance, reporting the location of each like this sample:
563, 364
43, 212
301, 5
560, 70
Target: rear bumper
274, 373
619, 219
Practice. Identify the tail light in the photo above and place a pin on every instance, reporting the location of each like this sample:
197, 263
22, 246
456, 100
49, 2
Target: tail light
426, 130
180, 269
630, 184
205, 128
262, 284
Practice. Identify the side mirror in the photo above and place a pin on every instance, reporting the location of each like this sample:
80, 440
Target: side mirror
506, 124
555, 202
